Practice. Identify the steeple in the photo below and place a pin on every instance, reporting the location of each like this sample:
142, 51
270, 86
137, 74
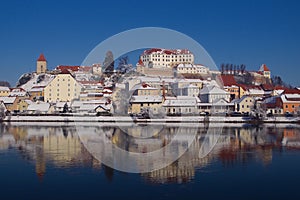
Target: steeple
41, 64
41, 58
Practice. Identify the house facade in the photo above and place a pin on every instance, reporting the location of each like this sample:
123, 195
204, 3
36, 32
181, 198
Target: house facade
180, 105
210, 94
63, 87
4, 91
244, 104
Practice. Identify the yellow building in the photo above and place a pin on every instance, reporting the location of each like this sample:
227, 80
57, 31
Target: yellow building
4, 91
36, 93
11, 103
23, 105
144, 98
63, 87
244, 104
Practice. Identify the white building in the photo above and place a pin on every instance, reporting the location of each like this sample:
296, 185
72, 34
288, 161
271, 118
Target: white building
166, 58
191, 90
38, 108
180, 105
192, 69
210, 94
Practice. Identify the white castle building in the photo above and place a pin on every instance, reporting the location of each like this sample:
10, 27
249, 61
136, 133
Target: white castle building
166, 58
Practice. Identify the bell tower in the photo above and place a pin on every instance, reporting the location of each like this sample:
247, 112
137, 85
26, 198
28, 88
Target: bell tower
41, 64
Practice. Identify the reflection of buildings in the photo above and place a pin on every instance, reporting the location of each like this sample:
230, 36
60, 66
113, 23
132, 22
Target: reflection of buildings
59, 146
62, 146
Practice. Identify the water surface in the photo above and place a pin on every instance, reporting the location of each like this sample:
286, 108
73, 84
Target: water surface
57, 162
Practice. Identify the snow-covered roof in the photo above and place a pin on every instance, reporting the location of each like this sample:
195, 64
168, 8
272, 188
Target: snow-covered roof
219, 102
191, 86
241, 99
17, 94
105, 107
41, 107
93, 102
28, 101
212, 90
290, 98
3, 88
189, 80
148, 79
188, 65
181, 101
37, 89
62, 104
88, 107
146, 99
36, 80
8, 100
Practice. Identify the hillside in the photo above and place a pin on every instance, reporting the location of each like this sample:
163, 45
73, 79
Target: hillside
29, 80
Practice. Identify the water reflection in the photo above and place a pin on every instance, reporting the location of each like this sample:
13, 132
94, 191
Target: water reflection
64, 146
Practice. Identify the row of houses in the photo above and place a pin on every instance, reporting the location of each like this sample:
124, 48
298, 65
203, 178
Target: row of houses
13, 104
190, 96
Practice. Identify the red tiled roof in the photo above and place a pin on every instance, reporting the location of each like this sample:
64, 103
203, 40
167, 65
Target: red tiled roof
141, 62
264, 68
279, 87
228, 80
247, 87
66, 67
41, 58
267, 87
291, 91
85, 68
65, 71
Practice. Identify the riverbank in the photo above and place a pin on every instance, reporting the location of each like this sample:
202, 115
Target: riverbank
126, 119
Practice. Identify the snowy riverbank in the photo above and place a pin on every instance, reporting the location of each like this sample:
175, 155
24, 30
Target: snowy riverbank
121, 119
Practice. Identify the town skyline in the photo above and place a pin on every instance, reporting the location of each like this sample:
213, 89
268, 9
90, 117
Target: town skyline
249, 33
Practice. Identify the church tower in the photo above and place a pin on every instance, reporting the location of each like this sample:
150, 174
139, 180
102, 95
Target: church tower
41, 64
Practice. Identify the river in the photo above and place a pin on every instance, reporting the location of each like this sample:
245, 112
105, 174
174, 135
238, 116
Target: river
149, 161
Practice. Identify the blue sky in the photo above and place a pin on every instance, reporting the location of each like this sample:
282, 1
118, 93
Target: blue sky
240, 32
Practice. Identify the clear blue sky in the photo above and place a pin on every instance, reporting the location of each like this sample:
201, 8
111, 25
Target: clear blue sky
239, 32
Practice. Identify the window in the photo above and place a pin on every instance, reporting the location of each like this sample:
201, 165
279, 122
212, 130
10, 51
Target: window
286, 106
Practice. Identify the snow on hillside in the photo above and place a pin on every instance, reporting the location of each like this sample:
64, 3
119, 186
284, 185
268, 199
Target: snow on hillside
34, 80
